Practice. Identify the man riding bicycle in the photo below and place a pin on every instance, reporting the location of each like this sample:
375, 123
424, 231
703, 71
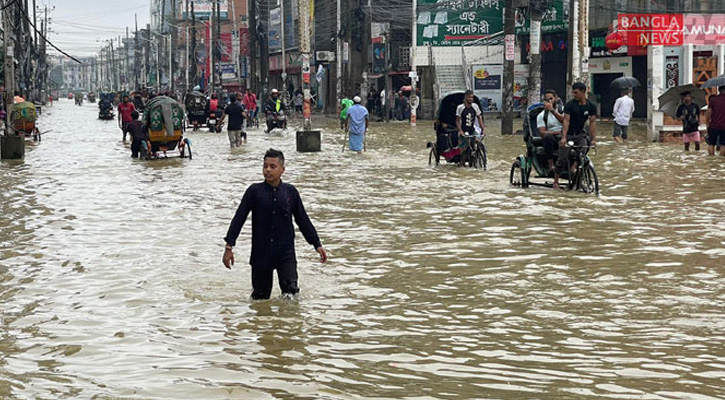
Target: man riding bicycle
466, 116
577, 112
272, 108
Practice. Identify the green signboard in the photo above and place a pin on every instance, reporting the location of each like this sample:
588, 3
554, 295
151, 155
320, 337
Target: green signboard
556, 18
455, 22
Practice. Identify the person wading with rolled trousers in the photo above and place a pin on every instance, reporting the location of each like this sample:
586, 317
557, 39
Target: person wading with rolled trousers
272, 204
689, 113
577, 112
124, 114
715, 118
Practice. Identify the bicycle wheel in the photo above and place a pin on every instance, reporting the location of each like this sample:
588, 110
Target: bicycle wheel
433, 157
588, 181
477, 158
483, 155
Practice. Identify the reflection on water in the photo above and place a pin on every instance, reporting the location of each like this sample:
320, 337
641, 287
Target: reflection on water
443, 283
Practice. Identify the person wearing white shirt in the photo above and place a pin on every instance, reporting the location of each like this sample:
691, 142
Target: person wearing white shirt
622, 113
549, 123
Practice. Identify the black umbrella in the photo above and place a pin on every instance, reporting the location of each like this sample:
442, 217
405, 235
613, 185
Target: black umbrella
624, 82
672, 98
714, 82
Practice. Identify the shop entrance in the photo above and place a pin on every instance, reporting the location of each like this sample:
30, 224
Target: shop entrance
605, 97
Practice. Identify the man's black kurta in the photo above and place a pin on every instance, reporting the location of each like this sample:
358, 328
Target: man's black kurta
272, 230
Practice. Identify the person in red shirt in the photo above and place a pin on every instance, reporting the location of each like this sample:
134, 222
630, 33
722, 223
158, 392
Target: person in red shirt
250, 104
213, 103
124, 114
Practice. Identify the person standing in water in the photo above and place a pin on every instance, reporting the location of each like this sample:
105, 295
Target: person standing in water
356, 124
272, 204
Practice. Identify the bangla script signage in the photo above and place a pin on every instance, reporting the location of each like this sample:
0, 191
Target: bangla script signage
555, 19
672, 29
455, 22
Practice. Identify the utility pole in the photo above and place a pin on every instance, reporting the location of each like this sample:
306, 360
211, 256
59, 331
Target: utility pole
252, 4
573, 60
172, 47
148, 55
210, 71
128, 59
338, 55
507, 108
284, 54
13, 145
584, 40
135, 53
113, 68
235, 45
192, 60
304, 7
536, 13
413, 70
218, 43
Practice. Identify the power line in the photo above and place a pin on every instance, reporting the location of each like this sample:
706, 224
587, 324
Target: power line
30, 22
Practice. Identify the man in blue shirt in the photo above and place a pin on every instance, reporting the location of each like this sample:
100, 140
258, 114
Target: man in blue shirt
272, 204
356, 124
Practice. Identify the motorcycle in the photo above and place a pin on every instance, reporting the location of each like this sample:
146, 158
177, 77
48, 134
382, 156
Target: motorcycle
278, 121
213, 122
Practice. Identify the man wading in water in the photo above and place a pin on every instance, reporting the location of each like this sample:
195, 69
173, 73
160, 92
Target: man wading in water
273, 204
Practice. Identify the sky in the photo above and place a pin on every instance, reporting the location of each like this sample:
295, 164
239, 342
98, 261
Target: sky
79, 27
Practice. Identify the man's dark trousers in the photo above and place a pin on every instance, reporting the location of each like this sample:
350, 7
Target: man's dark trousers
263, 278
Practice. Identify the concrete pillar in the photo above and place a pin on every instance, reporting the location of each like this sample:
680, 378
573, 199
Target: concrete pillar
655, 87
688, 65
12, 147
720, 54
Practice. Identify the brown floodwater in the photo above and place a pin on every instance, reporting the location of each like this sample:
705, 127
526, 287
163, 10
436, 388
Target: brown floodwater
443, 283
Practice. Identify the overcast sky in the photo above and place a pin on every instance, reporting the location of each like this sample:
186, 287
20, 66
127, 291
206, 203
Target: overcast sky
80, 26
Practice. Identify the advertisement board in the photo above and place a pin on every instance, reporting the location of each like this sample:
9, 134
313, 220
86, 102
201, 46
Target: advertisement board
487, 85
704, 28
651, 29
203, 10
275, 30
455, 22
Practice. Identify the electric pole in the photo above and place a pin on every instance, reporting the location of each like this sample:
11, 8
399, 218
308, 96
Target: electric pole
536, 13
304, 7
573, 60
252, 4
507, 108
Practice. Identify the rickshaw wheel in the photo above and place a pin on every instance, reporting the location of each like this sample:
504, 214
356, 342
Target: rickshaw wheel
433, 157
517, 177
589, 183
479, 157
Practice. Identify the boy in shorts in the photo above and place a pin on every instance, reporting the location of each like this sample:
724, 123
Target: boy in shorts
689, 113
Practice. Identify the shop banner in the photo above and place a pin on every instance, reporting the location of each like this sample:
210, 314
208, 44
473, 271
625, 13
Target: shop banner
379, 58
203, 10
487, 85
275, 30
555, 19
455, 22
704, 28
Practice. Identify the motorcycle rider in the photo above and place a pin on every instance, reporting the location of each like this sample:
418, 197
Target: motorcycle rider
272, 108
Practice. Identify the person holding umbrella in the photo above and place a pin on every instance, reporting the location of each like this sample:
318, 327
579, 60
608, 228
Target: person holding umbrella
689, 113
622, 111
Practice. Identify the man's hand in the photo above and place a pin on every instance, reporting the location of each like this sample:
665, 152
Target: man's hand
323, 254
594, 143
228, 258
460, 132
548, 106
562, 143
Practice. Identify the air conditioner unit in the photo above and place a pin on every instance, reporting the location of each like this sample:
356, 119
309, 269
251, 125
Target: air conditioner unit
325, 56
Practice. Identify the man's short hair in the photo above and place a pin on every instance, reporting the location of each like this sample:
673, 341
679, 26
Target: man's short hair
551, 91
721, 89
685, 93
579, 86
273, 153
467, 93
233, 98
134, 114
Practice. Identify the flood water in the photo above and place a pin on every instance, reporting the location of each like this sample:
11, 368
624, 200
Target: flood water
443, 283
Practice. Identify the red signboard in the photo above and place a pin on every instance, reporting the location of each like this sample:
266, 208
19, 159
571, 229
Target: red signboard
652, 29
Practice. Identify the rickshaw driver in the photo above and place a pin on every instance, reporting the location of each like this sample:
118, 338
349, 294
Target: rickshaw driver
576, 113
466, 116
549, 123
273, 106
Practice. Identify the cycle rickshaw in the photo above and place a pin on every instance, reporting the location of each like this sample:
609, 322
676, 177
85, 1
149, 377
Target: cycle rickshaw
583, 177
447, 139
163, 120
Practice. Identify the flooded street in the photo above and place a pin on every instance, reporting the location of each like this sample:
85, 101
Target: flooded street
443, 283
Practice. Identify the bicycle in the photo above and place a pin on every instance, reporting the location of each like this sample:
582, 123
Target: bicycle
584, 177
476, 153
